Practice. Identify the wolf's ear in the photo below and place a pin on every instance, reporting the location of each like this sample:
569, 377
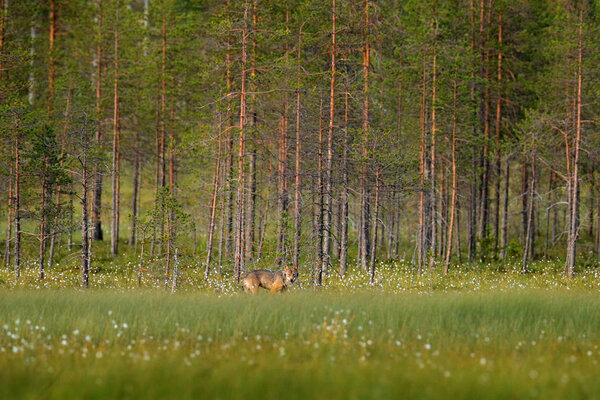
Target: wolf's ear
287, 268
296, 268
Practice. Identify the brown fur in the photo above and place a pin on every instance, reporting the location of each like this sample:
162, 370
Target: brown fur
274, 281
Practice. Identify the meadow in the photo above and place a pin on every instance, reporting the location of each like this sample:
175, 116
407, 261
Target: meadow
477, 333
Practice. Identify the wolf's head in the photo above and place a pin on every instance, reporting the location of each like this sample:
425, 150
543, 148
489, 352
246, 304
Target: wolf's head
291, 274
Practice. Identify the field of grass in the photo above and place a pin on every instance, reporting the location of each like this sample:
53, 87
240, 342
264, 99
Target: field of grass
478, 333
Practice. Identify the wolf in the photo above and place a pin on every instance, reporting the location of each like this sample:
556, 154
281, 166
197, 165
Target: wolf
274, 281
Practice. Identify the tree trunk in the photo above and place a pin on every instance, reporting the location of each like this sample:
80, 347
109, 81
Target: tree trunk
59, 191
229, 200
375, 221
240, 257
472, 208
9, 222
364, 191
298, 185
573, 228
17, 207
597, 234
529, 234
504, 232
432, 169
97, 195
498, 166
421, 245
213, 205
3, 15
328, 198
84, 223
453, 201
43, 218
524, 199
344, 198
485, 121
157, 168
319, 218
136, 190
252, 184
51, 71
116, 157
282, 198
262, 228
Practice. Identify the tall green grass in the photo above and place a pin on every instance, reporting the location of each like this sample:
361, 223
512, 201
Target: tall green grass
368, 344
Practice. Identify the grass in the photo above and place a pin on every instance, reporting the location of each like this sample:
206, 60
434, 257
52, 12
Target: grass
365, 344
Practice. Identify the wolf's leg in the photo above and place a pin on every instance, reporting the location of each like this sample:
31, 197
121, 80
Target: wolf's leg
277, 286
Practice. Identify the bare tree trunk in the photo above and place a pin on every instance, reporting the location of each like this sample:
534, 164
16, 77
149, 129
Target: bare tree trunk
171, 218
156, 169
504, 232
421, 246
344, 198
319, 190
375, 221
548, 208
43, 218
597, 234
229, 200
453, 201
527, 250
59, 191
252, 185
443, 206
328, 198
3, 15
472, 220
432, 170
163, 102
524, 198
298, 186
97, 195
252, 188
485, 121
9, 222
265, 218
134, 196
240, 257
163, 139
51, 71
213, 205
116, 161
84, 223
17, 207
282, 198
574, 178
498, 166
458, 241
168, 260
70, 231
364, 192
221, 235
591, 204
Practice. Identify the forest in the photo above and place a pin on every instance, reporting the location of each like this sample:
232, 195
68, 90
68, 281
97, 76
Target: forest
430, 167
324, 135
